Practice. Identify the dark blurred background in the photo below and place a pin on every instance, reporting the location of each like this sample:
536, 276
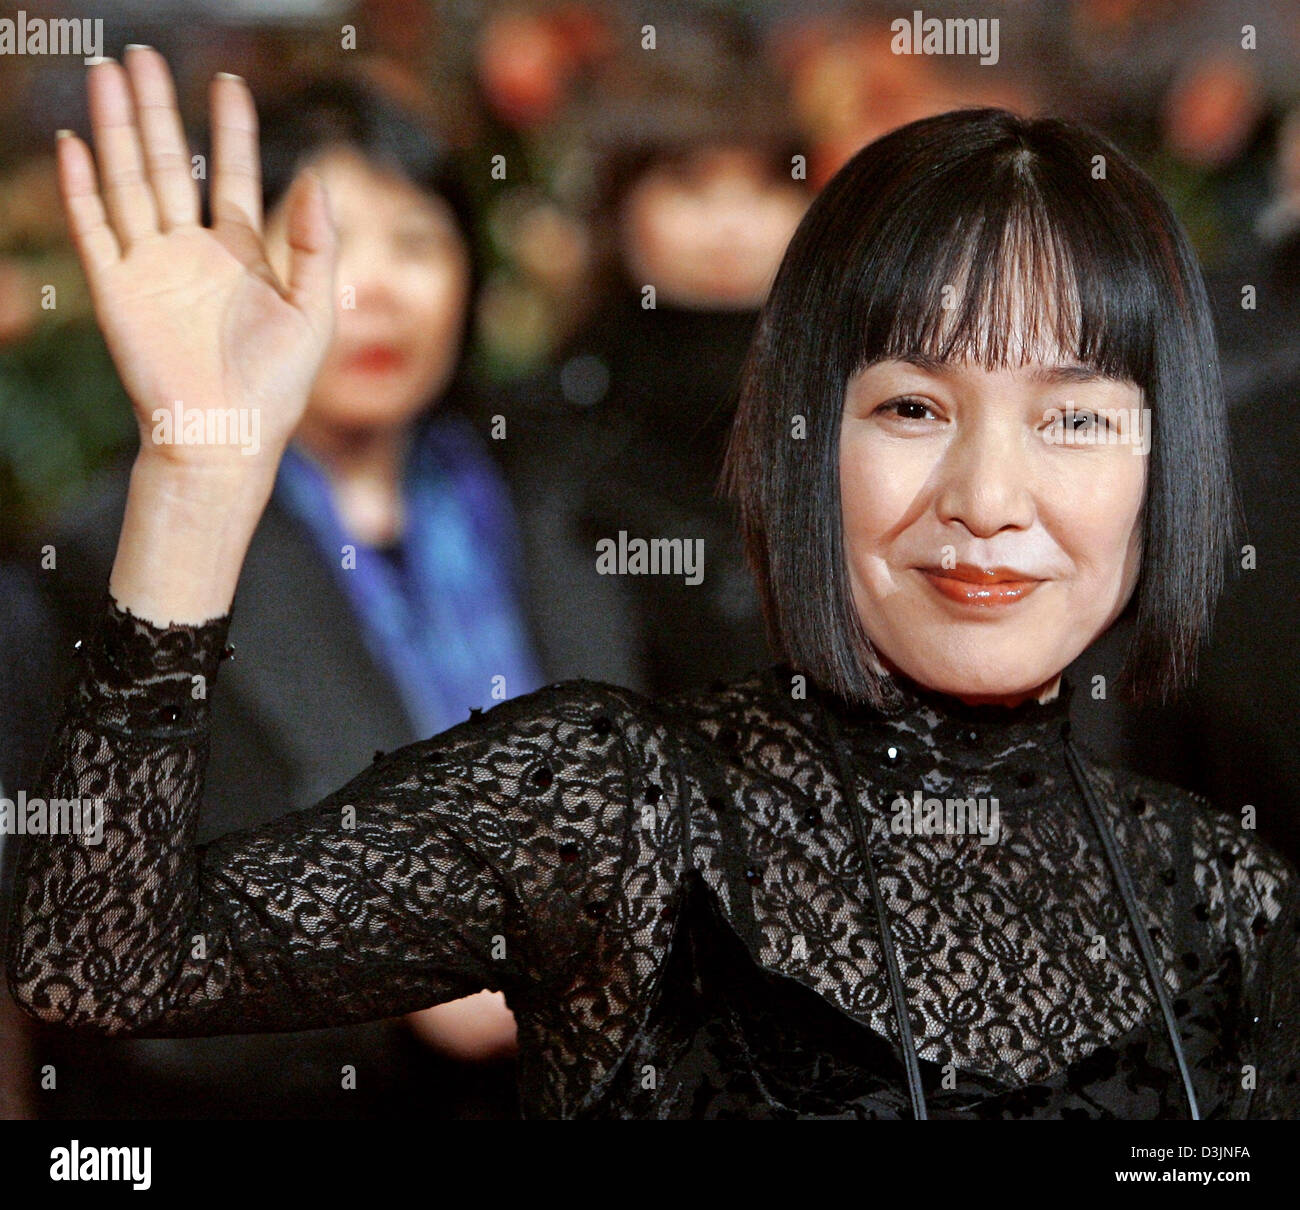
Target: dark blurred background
598, 148
1166, 78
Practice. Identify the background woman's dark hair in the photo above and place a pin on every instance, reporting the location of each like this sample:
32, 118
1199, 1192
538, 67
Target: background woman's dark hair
707, 84
1004, 208
354, 112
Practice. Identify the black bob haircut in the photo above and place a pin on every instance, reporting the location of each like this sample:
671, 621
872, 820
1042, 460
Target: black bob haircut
350, 111
1054, 239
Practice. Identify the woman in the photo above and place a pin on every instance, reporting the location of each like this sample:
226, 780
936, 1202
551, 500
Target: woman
724, 903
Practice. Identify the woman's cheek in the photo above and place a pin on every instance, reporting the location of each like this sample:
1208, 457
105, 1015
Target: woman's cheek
441, 295
888, 479
1095, 509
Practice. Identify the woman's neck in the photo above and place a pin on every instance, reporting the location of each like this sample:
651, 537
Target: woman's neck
364, 469
1048, 691
1043, 694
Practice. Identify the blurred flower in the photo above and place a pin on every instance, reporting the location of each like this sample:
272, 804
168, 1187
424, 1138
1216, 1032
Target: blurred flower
527, 59
551, 246
1211, 110
515, 322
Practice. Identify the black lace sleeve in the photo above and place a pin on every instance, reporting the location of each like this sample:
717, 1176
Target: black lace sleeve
1275, 994
459, 863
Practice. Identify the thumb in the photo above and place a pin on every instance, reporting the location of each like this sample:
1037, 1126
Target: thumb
313, 245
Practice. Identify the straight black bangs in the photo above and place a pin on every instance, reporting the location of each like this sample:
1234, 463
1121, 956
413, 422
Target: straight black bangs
1008, 254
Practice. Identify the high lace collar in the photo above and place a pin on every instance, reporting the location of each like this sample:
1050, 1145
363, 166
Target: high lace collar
936, 727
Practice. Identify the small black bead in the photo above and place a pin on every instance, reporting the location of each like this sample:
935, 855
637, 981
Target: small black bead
168, 714
602, 725
1169, 877
1139, 805
1201, 911
812, 817
715, 802
1259, 926
1228, 857
568, 851
653, 793
1156, 932
228, 651
543, 777
753, 875
593, 910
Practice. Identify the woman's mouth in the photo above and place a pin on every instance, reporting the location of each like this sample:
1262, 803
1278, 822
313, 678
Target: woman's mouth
980, 586
375, 359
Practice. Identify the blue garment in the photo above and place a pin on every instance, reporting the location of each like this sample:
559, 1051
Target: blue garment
442, 612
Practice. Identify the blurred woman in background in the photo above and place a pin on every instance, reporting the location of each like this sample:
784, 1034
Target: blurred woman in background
698, 186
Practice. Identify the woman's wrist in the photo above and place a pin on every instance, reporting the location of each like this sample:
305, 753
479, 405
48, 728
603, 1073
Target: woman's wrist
184, 536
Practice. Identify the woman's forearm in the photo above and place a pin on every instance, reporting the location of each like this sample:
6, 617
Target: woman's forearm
184, 536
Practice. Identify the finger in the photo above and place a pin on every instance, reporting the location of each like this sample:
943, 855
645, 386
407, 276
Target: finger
312, 244
127, 195
237, 171
96, 245
165, 150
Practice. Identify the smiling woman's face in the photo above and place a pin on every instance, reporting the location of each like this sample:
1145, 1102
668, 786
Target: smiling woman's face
991, 525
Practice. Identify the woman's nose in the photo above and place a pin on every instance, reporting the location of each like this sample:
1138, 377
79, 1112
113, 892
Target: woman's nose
985, 483
366, 278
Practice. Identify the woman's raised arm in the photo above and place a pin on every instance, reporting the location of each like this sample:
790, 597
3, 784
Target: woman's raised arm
216, 354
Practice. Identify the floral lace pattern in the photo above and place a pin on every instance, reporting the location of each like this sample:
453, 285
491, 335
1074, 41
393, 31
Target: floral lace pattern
602, 859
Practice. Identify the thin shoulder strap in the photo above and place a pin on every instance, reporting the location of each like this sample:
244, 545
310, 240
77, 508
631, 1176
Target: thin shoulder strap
1121, 875
911, 1063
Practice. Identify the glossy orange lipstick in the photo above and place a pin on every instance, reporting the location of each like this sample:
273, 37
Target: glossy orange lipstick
981, 586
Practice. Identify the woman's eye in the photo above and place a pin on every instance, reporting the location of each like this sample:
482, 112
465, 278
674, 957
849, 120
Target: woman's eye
907, 409
1083, 421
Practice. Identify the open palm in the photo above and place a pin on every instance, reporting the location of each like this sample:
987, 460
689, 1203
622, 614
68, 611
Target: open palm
191, 313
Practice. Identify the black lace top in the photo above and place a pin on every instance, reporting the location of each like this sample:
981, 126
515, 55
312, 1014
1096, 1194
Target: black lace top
676, 898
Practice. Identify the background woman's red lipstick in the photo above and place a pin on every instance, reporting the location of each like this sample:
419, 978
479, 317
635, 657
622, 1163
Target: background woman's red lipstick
375, 359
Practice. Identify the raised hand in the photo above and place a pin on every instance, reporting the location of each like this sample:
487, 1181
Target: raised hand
196, 315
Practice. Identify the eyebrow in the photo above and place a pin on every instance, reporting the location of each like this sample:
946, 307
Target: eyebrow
1050, 375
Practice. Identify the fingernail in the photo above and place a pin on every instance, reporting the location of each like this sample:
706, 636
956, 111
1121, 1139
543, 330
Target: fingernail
98, 59
228, 75
138, 46
63, 134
